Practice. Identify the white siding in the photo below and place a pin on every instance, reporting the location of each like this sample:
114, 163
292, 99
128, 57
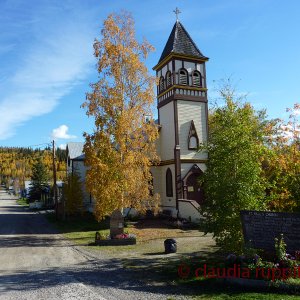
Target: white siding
188, 111
178, 65
164, 70
80, 169
189, 211
189, 66
167, 134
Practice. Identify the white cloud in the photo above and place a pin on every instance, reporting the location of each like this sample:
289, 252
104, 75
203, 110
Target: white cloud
62, 146
58, 57
62, 133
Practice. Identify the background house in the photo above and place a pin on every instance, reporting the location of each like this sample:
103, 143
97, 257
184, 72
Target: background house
75, 163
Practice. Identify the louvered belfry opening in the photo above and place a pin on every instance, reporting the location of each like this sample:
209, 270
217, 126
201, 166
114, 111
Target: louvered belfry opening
161, 84
183, 80
197, 79
168, 79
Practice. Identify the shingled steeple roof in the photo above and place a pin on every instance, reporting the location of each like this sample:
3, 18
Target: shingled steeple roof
180, 42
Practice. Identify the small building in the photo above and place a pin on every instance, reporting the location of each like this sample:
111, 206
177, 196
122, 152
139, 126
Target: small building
75, 163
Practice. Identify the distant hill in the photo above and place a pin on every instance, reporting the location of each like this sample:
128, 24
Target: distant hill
16, 164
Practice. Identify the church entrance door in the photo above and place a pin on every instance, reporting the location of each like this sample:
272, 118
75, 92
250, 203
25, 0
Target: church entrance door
194, 188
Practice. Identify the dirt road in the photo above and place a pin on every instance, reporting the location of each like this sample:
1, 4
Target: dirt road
37, 263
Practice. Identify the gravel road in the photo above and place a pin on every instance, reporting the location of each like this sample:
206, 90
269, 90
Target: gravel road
37, 263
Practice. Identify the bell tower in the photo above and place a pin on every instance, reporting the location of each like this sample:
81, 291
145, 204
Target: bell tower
182, 114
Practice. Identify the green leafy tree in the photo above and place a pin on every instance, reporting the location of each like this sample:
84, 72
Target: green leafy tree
39, 180
73, 194
233, 179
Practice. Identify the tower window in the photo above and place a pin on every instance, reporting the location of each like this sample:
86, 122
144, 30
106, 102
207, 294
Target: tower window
161, 84
168, 79
193, 140
197, 79
183, 77
169, 183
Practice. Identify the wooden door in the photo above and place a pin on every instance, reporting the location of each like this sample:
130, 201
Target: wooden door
194, 188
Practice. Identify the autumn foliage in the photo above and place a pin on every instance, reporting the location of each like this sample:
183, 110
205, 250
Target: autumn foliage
16, 164
282, 164
121, 149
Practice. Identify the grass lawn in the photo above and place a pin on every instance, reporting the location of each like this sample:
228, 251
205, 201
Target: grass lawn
148, 261
23, 202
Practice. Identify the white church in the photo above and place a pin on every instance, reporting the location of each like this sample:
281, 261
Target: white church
183, 125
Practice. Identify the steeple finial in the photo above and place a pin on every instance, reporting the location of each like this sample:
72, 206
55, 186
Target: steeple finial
177, 12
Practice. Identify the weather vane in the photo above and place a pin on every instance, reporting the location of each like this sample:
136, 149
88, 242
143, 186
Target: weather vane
177, 12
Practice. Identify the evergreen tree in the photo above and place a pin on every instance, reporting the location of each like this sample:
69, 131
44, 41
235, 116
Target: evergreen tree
73, 194
39, 180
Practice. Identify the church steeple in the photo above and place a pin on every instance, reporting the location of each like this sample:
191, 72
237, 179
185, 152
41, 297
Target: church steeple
180, 42
182, 106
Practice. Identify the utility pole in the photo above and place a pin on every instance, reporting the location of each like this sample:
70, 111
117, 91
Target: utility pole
54, 180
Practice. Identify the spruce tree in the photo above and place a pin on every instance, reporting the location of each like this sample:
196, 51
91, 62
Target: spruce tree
39, 180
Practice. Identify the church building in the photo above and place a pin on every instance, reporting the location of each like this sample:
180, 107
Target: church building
182, 118
183, 125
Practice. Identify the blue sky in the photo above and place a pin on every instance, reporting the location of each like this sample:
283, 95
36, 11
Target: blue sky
47, 63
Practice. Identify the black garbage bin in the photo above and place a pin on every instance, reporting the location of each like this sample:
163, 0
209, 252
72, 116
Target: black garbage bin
170, 246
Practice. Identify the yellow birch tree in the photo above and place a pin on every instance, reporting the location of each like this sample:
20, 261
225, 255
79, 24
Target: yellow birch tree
121, 150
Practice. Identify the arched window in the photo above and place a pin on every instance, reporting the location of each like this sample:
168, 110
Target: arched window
168, 79
193, 140
161, 84
169, 183
183, 77
197, 79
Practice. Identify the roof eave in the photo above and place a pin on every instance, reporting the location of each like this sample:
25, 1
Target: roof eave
179, 55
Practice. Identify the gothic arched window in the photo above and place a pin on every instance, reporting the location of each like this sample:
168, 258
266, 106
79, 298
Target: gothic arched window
193, 140
168, 79
169, 183
183, 77
197, 79
161, 84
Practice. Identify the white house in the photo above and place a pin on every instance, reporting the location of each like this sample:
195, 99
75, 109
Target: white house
75, 163
182, 118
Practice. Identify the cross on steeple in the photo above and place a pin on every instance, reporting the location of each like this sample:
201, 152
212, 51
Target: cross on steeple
177, 12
